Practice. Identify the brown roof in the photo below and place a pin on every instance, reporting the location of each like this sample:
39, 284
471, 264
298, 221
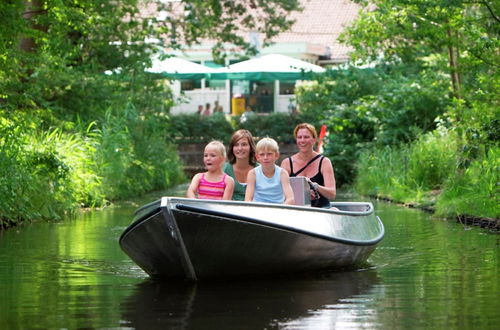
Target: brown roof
321, 22
318, 25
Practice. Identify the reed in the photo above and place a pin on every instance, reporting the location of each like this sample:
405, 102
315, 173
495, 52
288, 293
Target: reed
427, 173
408, 173
474, 190
52, 173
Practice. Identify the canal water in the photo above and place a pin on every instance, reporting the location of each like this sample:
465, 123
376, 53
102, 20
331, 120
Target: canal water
427, 273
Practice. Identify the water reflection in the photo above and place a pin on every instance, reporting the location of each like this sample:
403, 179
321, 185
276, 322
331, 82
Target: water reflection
257, 304
430, 274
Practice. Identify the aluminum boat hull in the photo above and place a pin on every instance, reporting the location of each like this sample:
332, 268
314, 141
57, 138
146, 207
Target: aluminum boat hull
193, 239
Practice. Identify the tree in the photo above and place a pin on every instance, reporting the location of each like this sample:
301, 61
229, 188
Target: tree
463, 31
53, 53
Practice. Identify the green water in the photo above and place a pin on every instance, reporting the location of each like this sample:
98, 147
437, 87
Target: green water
427, 273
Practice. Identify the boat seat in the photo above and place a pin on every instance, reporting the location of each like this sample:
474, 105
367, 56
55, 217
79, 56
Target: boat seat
301, 191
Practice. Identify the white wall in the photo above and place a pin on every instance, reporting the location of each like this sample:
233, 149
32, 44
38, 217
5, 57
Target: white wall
188, 102
283, 102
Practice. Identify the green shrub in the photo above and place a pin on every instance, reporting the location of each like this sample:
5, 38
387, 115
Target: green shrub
382, 172
134, 154
54, 172
364, 108
432, 158
279, 126
408, 173
474, 190
38, 184
193, 128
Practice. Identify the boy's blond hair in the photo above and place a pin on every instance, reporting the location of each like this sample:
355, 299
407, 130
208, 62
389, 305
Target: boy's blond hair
267, 143
219, 146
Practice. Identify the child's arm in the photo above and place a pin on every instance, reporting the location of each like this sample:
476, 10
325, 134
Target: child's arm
193, 187
287, 188
228, 192
250, 186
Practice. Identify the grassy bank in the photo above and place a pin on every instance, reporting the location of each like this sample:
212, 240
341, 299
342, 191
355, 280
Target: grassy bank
52, 172
430, 173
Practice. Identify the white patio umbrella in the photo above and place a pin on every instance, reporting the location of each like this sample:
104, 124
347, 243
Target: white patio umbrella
268, 67
178, 68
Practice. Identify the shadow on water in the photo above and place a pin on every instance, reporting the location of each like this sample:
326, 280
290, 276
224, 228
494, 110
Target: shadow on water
256, 304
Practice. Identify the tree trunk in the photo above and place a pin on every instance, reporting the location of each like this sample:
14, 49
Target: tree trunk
32, 9
453, 57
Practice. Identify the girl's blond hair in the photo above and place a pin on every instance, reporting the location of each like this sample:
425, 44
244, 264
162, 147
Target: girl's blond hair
219, 146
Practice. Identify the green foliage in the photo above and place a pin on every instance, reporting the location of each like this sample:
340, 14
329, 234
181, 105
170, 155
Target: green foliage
381, 172
365, 108
337, 87
52, 173
462, 34
475, 190
426, 173
193, 128
134, 155
431, 160
279, 126
458, 40
406, 173
37, 181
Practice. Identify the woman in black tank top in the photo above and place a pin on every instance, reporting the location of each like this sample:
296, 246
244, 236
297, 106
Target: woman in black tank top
322, 181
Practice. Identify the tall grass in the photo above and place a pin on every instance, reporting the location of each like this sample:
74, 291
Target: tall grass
382, 173
35, 181
428, 172
409, 173
51, 173
134, 155
474, 190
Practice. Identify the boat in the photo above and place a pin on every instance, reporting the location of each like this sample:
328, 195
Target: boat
177, 237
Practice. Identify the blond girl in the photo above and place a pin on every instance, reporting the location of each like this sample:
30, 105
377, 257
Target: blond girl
214, 183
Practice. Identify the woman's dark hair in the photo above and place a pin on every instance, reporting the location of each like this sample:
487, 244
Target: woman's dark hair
238, 135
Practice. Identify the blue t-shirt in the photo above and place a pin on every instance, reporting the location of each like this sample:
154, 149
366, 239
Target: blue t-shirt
268, 190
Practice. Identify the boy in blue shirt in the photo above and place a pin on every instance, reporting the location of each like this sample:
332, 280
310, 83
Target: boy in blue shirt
268, 183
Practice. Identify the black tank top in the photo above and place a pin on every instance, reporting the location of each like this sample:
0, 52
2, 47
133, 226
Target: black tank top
322, 201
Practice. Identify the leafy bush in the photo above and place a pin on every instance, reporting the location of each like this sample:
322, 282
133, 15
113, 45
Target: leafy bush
279, 126
431, 160
193, 128
475, 190
364, 108
382, 172
38, 184
134, 154
52, 173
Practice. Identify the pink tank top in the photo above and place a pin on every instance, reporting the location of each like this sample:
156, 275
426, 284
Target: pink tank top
211, 190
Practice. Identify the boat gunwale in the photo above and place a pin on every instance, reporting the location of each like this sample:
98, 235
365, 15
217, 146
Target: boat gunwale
370, 209
161, 203
197, 210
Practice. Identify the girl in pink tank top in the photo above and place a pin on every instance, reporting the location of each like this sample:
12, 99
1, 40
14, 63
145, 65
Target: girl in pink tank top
211, 190
214, 183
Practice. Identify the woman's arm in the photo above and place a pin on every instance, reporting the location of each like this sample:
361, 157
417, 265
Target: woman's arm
228, 192
287, 188
250, 186
285, 164
193, 187
328, 189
